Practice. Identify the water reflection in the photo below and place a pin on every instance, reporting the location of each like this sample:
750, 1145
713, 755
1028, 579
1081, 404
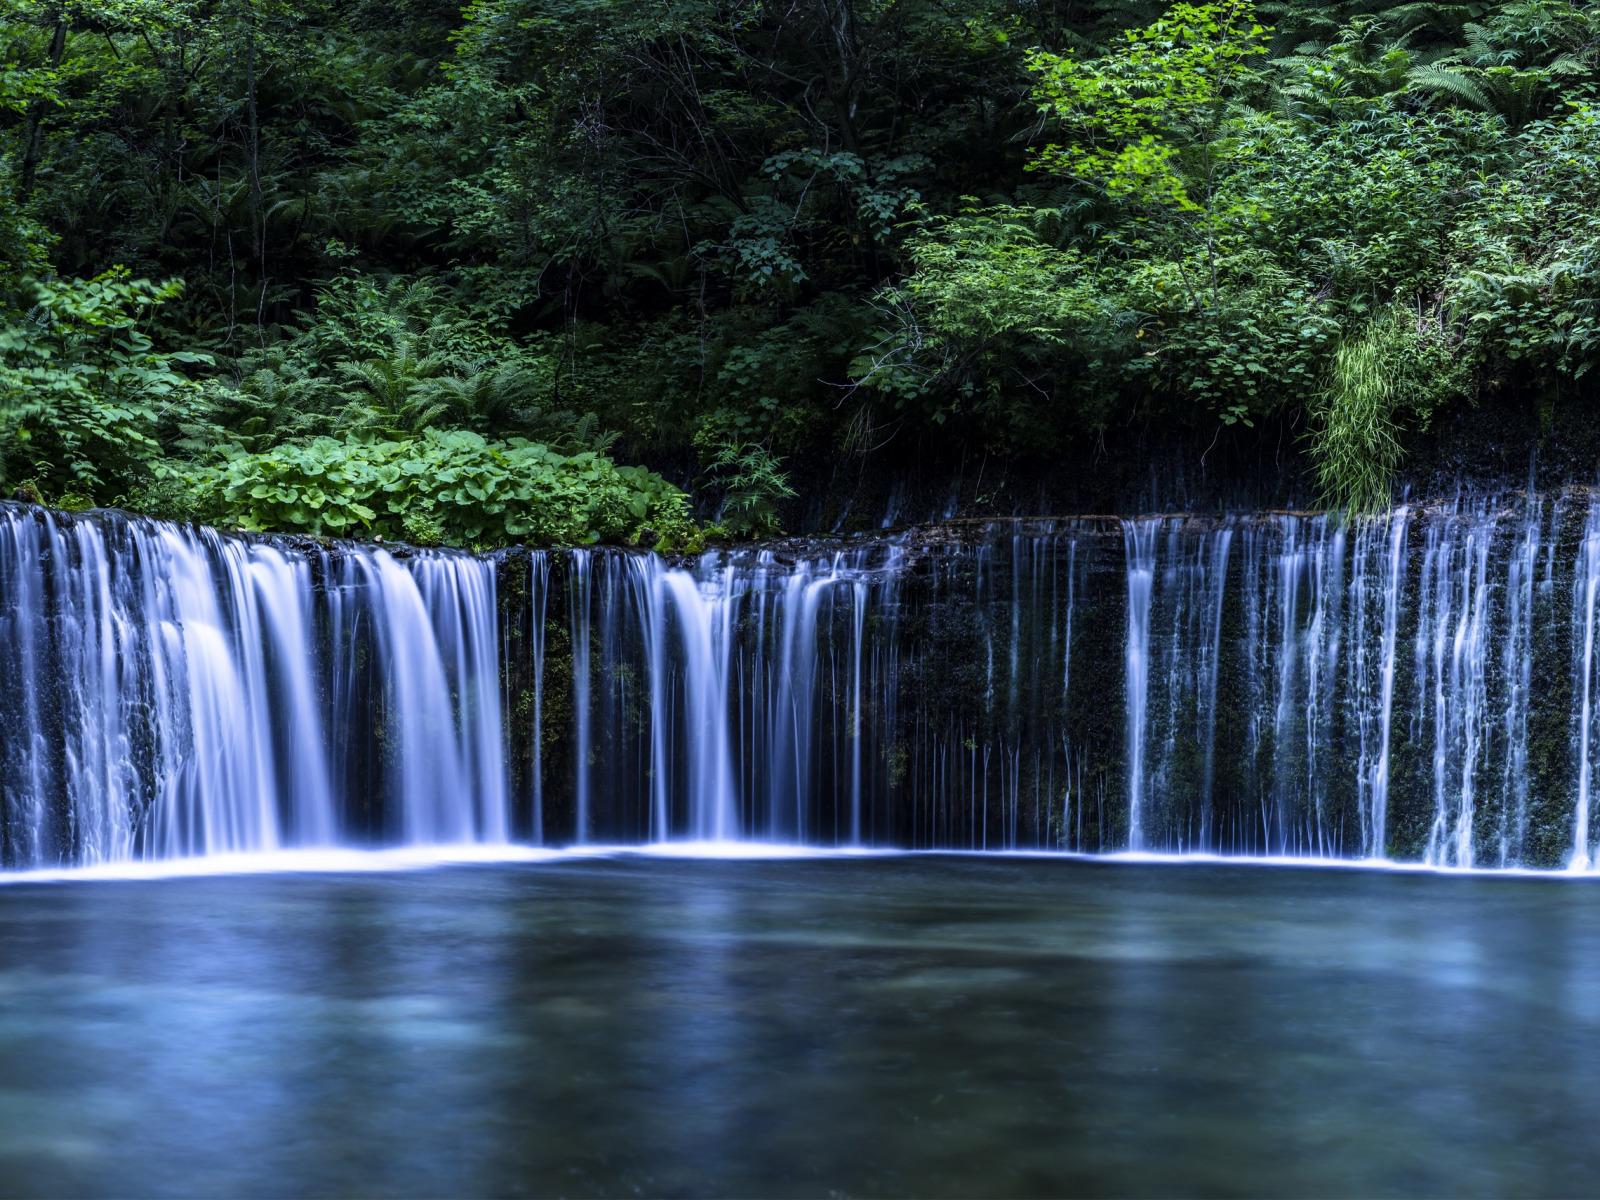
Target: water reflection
931, 1026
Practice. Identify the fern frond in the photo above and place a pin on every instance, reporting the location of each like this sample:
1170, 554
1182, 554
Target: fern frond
1449, 83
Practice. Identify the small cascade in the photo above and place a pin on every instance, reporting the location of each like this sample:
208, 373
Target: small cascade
698, 615
1586, 589
169, 692
1141, 542
696, 696
435, 623
536, 613
579, 603
1375, 597
1516, 665
1452, 655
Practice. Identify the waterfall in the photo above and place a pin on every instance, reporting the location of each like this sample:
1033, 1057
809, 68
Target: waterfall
1216, 568
537, 612
1375, 601
702, 616
1516, 664
169, 691
1452, 653
1587, 586
1394, 687
695, 692
1141, 582
1417, 686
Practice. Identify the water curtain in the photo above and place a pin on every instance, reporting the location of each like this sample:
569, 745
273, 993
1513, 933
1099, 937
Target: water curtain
165, 691
1420, 686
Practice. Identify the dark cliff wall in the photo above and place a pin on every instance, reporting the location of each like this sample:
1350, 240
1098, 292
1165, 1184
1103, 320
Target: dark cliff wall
1503, 441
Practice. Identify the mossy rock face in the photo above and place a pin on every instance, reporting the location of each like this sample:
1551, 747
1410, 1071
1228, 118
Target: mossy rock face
536, 670
536, 681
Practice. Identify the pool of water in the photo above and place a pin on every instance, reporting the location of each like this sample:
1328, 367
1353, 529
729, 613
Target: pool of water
924, 1025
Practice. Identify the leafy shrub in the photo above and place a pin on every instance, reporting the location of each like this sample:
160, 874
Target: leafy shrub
456, 488
83, 390
1267, 335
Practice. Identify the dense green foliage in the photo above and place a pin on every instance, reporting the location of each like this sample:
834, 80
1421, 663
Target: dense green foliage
415, 271
453, 487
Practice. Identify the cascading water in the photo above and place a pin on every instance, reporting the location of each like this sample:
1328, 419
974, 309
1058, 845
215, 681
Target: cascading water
698, 697
1141, 543
170, 692
1397, 687
1423, 685
1375, 597
1586, 588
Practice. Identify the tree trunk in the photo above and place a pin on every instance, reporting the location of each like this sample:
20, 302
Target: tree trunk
33, 124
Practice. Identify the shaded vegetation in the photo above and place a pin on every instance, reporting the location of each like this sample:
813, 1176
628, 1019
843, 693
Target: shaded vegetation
428, 272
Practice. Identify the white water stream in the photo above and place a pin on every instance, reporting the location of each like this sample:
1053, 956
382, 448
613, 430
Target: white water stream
171, 693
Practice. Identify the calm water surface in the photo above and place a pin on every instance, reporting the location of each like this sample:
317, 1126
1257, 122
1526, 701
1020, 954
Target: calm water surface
867, 1026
